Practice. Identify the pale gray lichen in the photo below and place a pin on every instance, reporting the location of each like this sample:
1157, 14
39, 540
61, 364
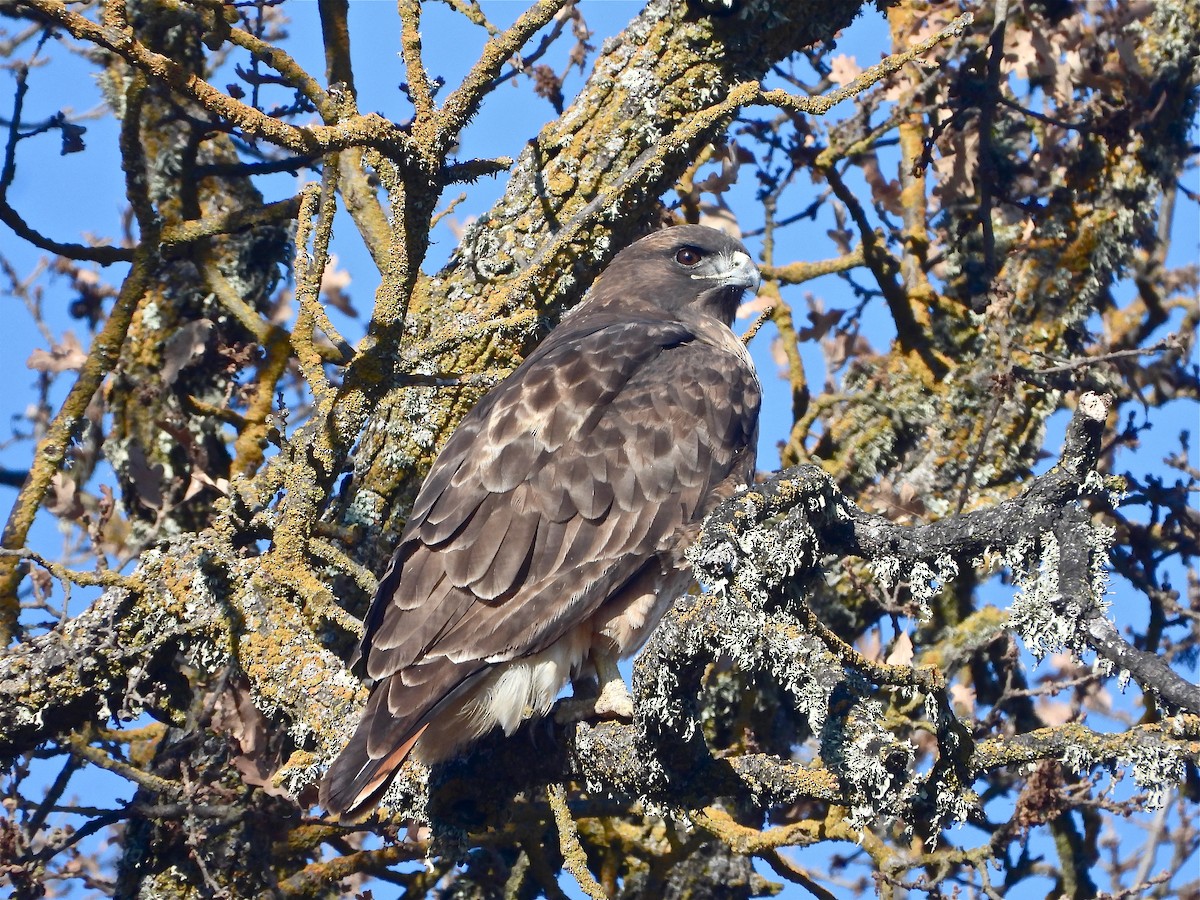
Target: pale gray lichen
926, 580
951, 805
933, 711
1077, 758
365, 508
886, 570
408, 795
750, 639
1096, 485
759, 560
874, 767
1157, 769
800, 664
295, 778
1047, 618
152, 316
1123, 676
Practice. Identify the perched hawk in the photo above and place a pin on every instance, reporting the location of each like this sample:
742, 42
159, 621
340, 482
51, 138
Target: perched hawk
547, 540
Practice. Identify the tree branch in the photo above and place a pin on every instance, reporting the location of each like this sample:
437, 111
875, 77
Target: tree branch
369, 130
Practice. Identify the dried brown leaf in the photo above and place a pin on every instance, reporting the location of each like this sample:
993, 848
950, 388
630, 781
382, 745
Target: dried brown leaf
821, 323
334, 282
66, 356
235, 714
720, 217
65, 501
963, 698
1054, 712
843, 69
185, 346
754, 306
902, 651
147, 479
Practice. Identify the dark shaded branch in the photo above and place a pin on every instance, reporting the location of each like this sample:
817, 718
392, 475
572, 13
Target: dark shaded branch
10, 217
1147, 669
102, 357
840, 527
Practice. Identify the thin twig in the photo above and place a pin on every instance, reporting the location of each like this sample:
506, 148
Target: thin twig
574, 858
1082, 362
102, 357
370, 130
785, 868
820, 105
756, 325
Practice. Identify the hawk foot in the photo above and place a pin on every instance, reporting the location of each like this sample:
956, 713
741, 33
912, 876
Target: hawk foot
613, 702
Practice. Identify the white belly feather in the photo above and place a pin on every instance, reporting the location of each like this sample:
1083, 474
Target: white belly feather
514, 691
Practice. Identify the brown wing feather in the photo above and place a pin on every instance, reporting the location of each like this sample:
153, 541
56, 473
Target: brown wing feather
554, 493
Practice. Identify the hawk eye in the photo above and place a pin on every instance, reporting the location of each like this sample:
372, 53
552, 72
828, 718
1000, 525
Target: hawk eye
688, 256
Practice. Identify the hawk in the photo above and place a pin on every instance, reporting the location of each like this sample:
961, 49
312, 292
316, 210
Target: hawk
547, 540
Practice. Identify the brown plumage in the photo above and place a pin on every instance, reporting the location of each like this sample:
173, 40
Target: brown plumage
548, 536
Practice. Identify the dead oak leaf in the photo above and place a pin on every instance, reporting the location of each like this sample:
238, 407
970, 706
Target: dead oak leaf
66, 356
843, 69
902, 651
147, 479
65, 501
201, 480
334, 282
185, 347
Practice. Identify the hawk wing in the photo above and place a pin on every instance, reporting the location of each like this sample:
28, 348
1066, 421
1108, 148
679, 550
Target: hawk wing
555, 492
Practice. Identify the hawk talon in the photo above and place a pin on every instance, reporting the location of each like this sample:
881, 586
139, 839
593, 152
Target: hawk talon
612, 703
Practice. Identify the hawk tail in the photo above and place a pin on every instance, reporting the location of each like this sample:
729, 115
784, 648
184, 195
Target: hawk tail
356, 780
401, 708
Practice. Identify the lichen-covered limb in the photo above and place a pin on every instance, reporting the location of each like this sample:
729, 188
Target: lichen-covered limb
102, 358
757, 550
1147, 669
615, 760
100, 578
862, 765
319, 203
574, 858
316, 879
756, 542
767, 842
1155, 753
743, 550
229, 221
750, 840
868, 77
800, 272
197, 601
1178, 736
464, 101
661, 760
59, 681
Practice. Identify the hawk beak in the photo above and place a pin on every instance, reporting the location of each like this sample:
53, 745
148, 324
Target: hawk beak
737, 270
742, 272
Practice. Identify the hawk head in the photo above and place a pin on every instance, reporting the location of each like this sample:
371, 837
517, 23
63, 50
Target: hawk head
686, 268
